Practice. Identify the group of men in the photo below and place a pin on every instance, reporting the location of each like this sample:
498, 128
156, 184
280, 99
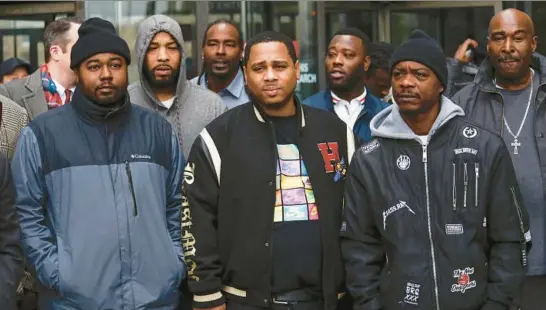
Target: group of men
388, 190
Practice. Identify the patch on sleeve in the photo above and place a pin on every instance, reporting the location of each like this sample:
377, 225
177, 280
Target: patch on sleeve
371, 146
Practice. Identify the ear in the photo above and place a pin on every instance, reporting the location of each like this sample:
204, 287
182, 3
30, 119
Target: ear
534, 43
55, 52
367, 62
244, 73
297, 66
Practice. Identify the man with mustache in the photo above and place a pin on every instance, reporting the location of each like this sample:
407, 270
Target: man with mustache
263, 195
347, 62
433, 216
163, 86
222, 73
98, 184
507, 97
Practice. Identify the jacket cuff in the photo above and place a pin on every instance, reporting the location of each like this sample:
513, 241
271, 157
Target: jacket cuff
491, 305
208, 301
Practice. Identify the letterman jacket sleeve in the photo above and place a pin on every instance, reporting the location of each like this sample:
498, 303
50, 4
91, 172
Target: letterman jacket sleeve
508, 234
362, 253
199, 218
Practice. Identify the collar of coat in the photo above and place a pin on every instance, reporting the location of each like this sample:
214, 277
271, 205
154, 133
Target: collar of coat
261, 116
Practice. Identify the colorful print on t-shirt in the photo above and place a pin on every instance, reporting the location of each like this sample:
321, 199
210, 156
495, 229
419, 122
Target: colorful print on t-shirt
295, 200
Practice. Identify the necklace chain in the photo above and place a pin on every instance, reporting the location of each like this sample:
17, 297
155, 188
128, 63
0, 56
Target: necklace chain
516, 144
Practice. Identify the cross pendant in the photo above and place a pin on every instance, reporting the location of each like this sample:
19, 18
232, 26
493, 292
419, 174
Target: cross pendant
515, 144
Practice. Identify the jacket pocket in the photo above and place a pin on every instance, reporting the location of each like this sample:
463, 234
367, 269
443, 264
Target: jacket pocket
476, 184
454, 186
131, 187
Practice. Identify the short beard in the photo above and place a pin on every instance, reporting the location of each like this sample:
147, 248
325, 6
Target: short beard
266, 106
353, 80
169, 83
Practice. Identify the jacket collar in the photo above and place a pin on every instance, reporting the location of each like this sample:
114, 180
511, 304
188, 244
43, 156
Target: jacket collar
485, 75
95, 113
260, 115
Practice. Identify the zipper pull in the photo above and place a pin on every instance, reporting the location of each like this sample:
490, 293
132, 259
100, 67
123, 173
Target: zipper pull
477, 169
454, 189
465, 184
425, 153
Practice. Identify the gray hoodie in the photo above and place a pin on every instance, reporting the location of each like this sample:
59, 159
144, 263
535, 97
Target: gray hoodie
390, 124
194, 106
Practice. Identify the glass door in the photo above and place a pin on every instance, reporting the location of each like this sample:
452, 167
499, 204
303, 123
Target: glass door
22, 39
440, 23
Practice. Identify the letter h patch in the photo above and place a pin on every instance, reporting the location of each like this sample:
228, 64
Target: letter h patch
330, 155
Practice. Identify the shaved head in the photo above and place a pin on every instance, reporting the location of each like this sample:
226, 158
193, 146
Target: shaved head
513, 17
510, 46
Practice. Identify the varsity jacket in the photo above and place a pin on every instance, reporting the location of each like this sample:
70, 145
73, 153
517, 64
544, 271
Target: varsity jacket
229, 197
435, 225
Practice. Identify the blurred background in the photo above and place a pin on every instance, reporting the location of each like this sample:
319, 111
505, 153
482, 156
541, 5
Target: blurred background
309, 23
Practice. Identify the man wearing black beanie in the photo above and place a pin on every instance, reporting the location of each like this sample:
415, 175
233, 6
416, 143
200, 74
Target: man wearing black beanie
109, 175
433, 216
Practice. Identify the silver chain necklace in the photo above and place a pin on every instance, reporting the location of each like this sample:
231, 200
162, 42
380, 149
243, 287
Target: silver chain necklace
516, 144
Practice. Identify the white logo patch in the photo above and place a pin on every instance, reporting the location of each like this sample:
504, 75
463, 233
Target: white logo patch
403, 162
470, 132
140, 156
412, 294
465, 150
484, 221
368, 148
454, 229
391, 210
463, 280
189, 173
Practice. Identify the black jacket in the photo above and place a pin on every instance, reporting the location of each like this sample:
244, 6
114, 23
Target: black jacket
230, 195
484, 105
433, 226
459, 75
11, 254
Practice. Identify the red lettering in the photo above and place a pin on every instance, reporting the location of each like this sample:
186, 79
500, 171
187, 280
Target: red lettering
330, 155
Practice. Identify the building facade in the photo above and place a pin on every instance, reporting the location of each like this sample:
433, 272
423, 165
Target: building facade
309, 23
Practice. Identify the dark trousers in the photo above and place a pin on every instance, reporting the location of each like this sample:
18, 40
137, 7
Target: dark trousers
533, 295
234, 305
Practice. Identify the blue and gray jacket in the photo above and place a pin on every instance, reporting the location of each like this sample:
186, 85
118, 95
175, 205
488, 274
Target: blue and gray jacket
372, 105
99, 200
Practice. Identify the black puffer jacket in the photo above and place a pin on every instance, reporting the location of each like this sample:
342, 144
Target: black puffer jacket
436, 225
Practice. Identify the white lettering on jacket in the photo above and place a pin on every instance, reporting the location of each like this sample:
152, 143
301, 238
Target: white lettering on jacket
400, 205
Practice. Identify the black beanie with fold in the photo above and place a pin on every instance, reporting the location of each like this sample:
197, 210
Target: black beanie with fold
96, 36
421, 48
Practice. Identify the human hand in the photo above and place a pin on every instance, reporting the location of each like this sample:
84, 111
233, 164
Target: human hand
461, 55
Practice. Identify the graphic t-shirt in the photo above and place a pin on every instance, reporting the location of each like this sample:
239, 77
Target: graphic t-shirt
296, 240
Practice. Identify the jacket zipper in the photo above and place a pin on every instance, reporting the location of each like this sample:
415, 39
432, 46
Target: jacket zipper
436, 295
477, 170
454, 189
465, 184
132, 187
522, 229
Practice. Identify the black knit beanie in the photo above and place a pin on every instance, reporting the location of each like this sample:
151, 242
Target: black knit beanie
96, 36
421, 48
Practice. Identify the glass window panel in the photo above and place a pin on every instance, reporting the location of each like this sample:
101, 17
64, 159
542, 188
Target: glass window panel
9, 46
404, 22
41, 52
361, 19
23, 47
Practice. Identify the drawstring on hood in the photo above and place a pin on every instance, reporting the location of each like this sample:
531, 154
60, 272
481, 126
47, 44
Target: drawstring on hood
146, 31
390, 124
